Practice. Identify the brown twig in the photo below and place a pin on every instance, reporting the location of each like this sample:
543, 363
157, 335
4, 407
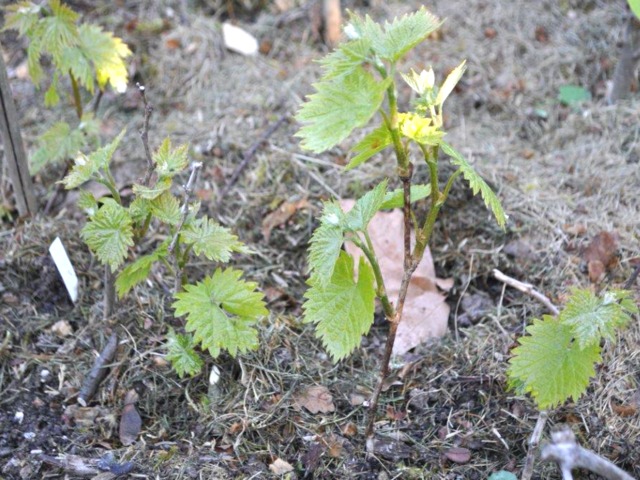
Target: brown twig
98, 371
187, 190
109, 292
410, 265
144, 134
248, 154
564, 450
632, 278
526, 288
534, 441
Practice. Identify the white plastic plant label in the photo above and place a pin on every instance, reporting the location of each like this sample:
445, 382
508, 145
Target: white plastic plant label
63, 264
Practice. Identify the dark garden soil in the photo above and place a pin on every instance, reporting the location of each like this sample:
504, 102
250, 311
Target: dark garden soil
564, 176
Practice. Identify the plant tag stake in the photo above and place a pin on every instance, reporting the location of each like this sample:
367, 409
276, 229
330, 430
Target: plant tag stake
63, 264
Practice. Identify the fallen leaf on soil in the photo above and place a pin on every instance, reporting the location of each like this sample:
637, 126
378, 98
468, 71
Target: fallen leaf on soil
280, 467
280, 215
624, 410
601, 254
458, 455
316, 399
426, 312
349, 430
130, 422
61, 328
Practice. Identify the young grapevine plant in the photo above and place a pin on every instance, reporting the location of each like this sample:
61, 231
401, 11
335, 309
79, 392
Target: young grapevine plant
221, 310
556, 360
87, 55
359, 82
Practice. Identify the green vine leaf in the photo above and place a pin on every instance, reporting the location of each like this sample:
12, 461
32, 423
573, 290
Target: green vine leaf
373, 143
138, 271
170, 161
593, 318
59, 30
85, 167
107, 54
550, 365
109, 233
22, 16
395, 199
152, 192
346, 58
326, 243
182, 354
476, 183
222, 311
339, 106
342, 309
397, 37
212, 240
166, 208
88, 203
58, 143
358, 218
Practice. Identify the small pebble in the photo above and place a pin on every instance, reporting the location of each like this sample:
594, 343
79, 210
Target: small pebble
18, 417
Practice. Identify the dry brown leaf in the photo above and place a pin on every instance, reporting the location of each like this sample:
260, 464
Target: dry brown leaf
130, 422
603, 248
349, 430
279, 216
458, 455
280, 467
601, 255
316, 399
426, 313
62, 328
624, 410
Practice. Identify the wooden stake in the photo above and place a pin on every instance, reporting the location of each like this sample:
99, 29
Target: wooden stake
14, 149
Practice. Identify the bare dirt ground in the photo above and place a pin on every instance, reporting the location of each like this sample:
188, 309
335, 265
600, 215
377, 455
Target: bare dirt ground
564, 175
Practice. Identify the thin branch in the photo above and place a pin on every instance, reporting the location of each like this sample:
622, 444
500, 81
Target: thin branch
98, 371
109, 292
526, 288
564, 450
248, 155
144, 134
187, 190
534, 441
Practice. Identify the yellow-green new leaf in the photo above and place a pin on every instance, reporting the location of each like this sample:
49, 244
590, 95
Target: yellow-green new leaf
166, 208
358, 218
342, 309
339, 106
22, 16
476, 183
346, 58
59, 30
59, 143
162, 185
222, 311
373, 143
169, 161
212, 240
550, 365
85, 166
450, 83
395, 199
399, 36
107, 54
182, 354
420, 129
109, 233
138, 271
326, 243
593, 318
